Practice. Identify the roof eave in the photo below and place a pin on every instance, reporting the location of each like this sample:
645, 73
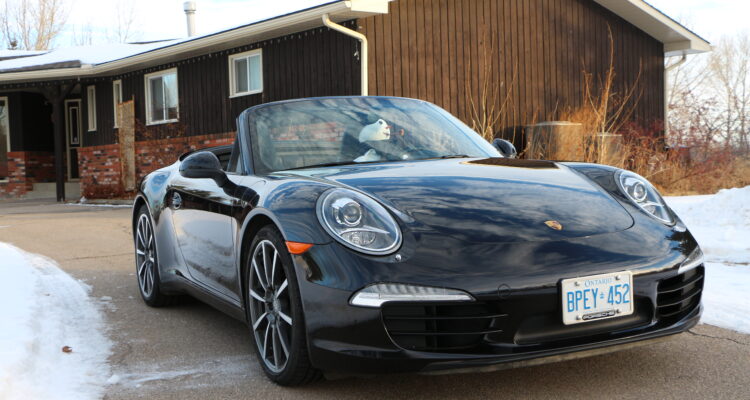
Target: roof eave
686, 47
677, 39
264, 30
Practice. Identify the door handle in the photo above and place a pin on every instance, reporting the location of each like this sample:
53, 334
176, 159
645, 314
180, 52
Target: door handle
176, 201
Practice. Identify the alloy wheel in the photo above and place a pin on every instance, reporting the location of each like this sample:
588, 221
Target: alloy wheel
145, 255
270, 307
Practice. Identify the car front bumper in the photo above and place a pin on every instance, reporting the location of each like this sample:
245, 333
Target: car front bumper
353, 340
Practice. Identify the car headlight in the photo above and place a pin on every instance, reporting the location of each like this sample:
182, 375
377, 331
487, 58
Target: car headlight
644, 195
358, 222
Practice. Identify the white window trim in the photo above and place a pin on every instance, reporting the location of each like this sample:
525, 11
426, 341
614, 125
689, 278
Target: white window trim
116, 99
91, 108
232, 80
146, 79
7, 136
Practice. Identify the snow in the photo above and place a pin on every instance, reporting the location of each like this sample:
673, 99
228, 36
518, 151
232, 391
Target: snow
721, 225
100, 54
83, 54
20, 53
42, 310
726, 298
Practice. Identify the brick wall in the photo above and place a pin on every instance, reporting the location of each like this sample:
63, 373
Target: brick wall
101, 171
151, 155
99, 168
24, 169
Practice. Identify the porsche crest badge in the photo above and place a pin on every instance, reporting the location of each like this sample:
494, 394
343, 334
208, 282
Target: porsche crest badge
554, 225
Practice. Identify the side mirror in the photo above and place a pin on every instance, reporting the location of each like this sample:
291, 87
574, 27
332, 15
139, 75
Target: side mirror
505, 148
203, 165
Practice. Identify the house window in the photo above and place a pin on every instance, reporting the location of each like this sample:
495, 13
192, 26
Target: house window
116, 97
246, 73
91, 106
162, 104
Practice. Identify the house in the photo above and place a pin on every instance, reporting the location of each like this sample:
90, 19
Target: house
57, 109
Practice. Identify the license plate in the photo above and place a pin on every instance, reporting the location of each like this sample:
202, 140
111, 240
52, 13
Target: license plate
597, 297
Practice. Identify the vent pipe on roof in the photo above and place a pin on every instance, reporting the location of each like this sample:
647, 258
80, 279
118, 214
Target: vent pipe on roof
189, 7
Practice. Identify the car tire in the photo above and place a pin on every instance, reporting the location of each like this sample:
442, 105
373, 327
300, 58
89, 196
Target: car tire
274, 311
147, 262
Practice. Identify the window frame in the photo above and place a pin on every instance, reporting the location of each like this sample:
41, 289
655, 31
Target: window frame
91, 108
233, 77
7, 136
146, 82
116, 99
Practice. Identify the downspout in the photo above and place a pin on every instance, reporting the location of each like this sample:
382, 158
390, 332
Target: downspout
363, 47
666, 91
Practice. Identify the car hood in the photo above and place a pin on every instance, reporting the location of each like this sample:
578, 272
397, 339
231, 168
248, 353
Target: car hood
486, 200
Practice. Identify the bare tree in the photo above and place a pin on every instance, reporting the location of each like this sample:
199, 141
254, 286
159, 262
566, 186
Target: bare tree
709, 96
124, 27
83, 35
691, 113
32, 24
730, 85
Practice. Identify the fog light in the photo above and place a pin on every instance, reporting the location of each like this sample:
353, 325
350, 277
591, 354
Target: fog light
377, 294
693, 260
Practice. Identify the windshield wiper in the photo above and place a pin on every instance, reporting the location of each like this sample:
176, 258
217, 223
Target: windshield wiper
333, 164
352, 162
448, 156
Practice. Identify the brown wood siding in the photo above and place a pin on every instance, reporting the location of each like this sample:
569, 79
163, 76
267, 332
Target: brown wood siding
105, 118
318, 62
432, 50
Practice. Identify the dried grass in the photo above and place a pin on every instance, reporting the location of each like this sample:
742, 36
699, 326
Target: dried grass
690, 166
603, 114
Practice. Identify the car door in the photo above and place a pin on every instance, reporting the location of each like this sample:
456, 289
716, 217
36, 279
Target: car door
202, 217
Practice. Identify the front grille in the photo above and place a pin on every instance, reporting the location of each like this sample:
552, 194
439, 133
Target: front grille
442, 327
680, 294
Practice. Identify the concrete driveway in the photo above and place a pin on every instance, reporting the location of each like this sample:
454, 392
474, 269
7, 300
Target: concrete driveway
193, 352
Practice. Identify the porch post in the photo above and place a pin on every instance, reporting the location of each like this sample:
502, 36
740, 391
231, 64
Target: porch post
59, 132
56, 96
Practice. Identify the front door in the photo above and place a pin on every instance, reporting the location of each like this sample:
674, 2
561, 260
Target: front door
4, 139
73, 134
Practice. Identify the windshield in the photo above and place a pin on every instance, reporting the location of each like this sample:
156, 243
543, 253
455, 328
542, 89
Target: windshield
335, 131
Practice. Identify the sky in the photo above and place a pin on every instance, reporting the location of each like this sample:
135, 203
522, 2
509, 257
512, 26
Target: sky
711, 19
164, 19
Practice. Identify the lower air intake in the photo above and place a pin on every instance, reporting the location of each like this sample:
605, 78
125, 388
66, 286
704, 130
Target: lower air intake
679, 295
442, 327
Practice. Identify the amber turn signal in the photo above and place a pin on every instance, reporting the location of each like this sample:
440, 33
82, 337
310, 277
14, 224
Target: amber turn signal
297, 247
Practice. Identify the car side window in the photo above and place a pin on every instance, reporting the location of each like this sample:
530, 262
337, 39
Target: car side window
234, 165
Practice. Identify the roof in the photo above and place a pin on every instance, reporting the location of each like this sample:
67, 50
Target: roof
76, 57
82, 61
678, 40
285, 18
10, 54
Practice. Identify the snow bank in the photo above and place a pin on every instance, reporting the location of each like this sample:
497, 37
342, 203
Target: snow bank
42, 310
721, 224
726, 298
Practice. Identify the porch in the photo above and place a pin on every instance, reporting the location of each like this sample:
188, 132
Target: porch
38, 153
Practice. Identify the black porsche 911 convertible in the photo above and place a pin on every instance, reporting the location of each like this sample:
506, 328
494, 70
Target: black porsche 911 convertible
362, 235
